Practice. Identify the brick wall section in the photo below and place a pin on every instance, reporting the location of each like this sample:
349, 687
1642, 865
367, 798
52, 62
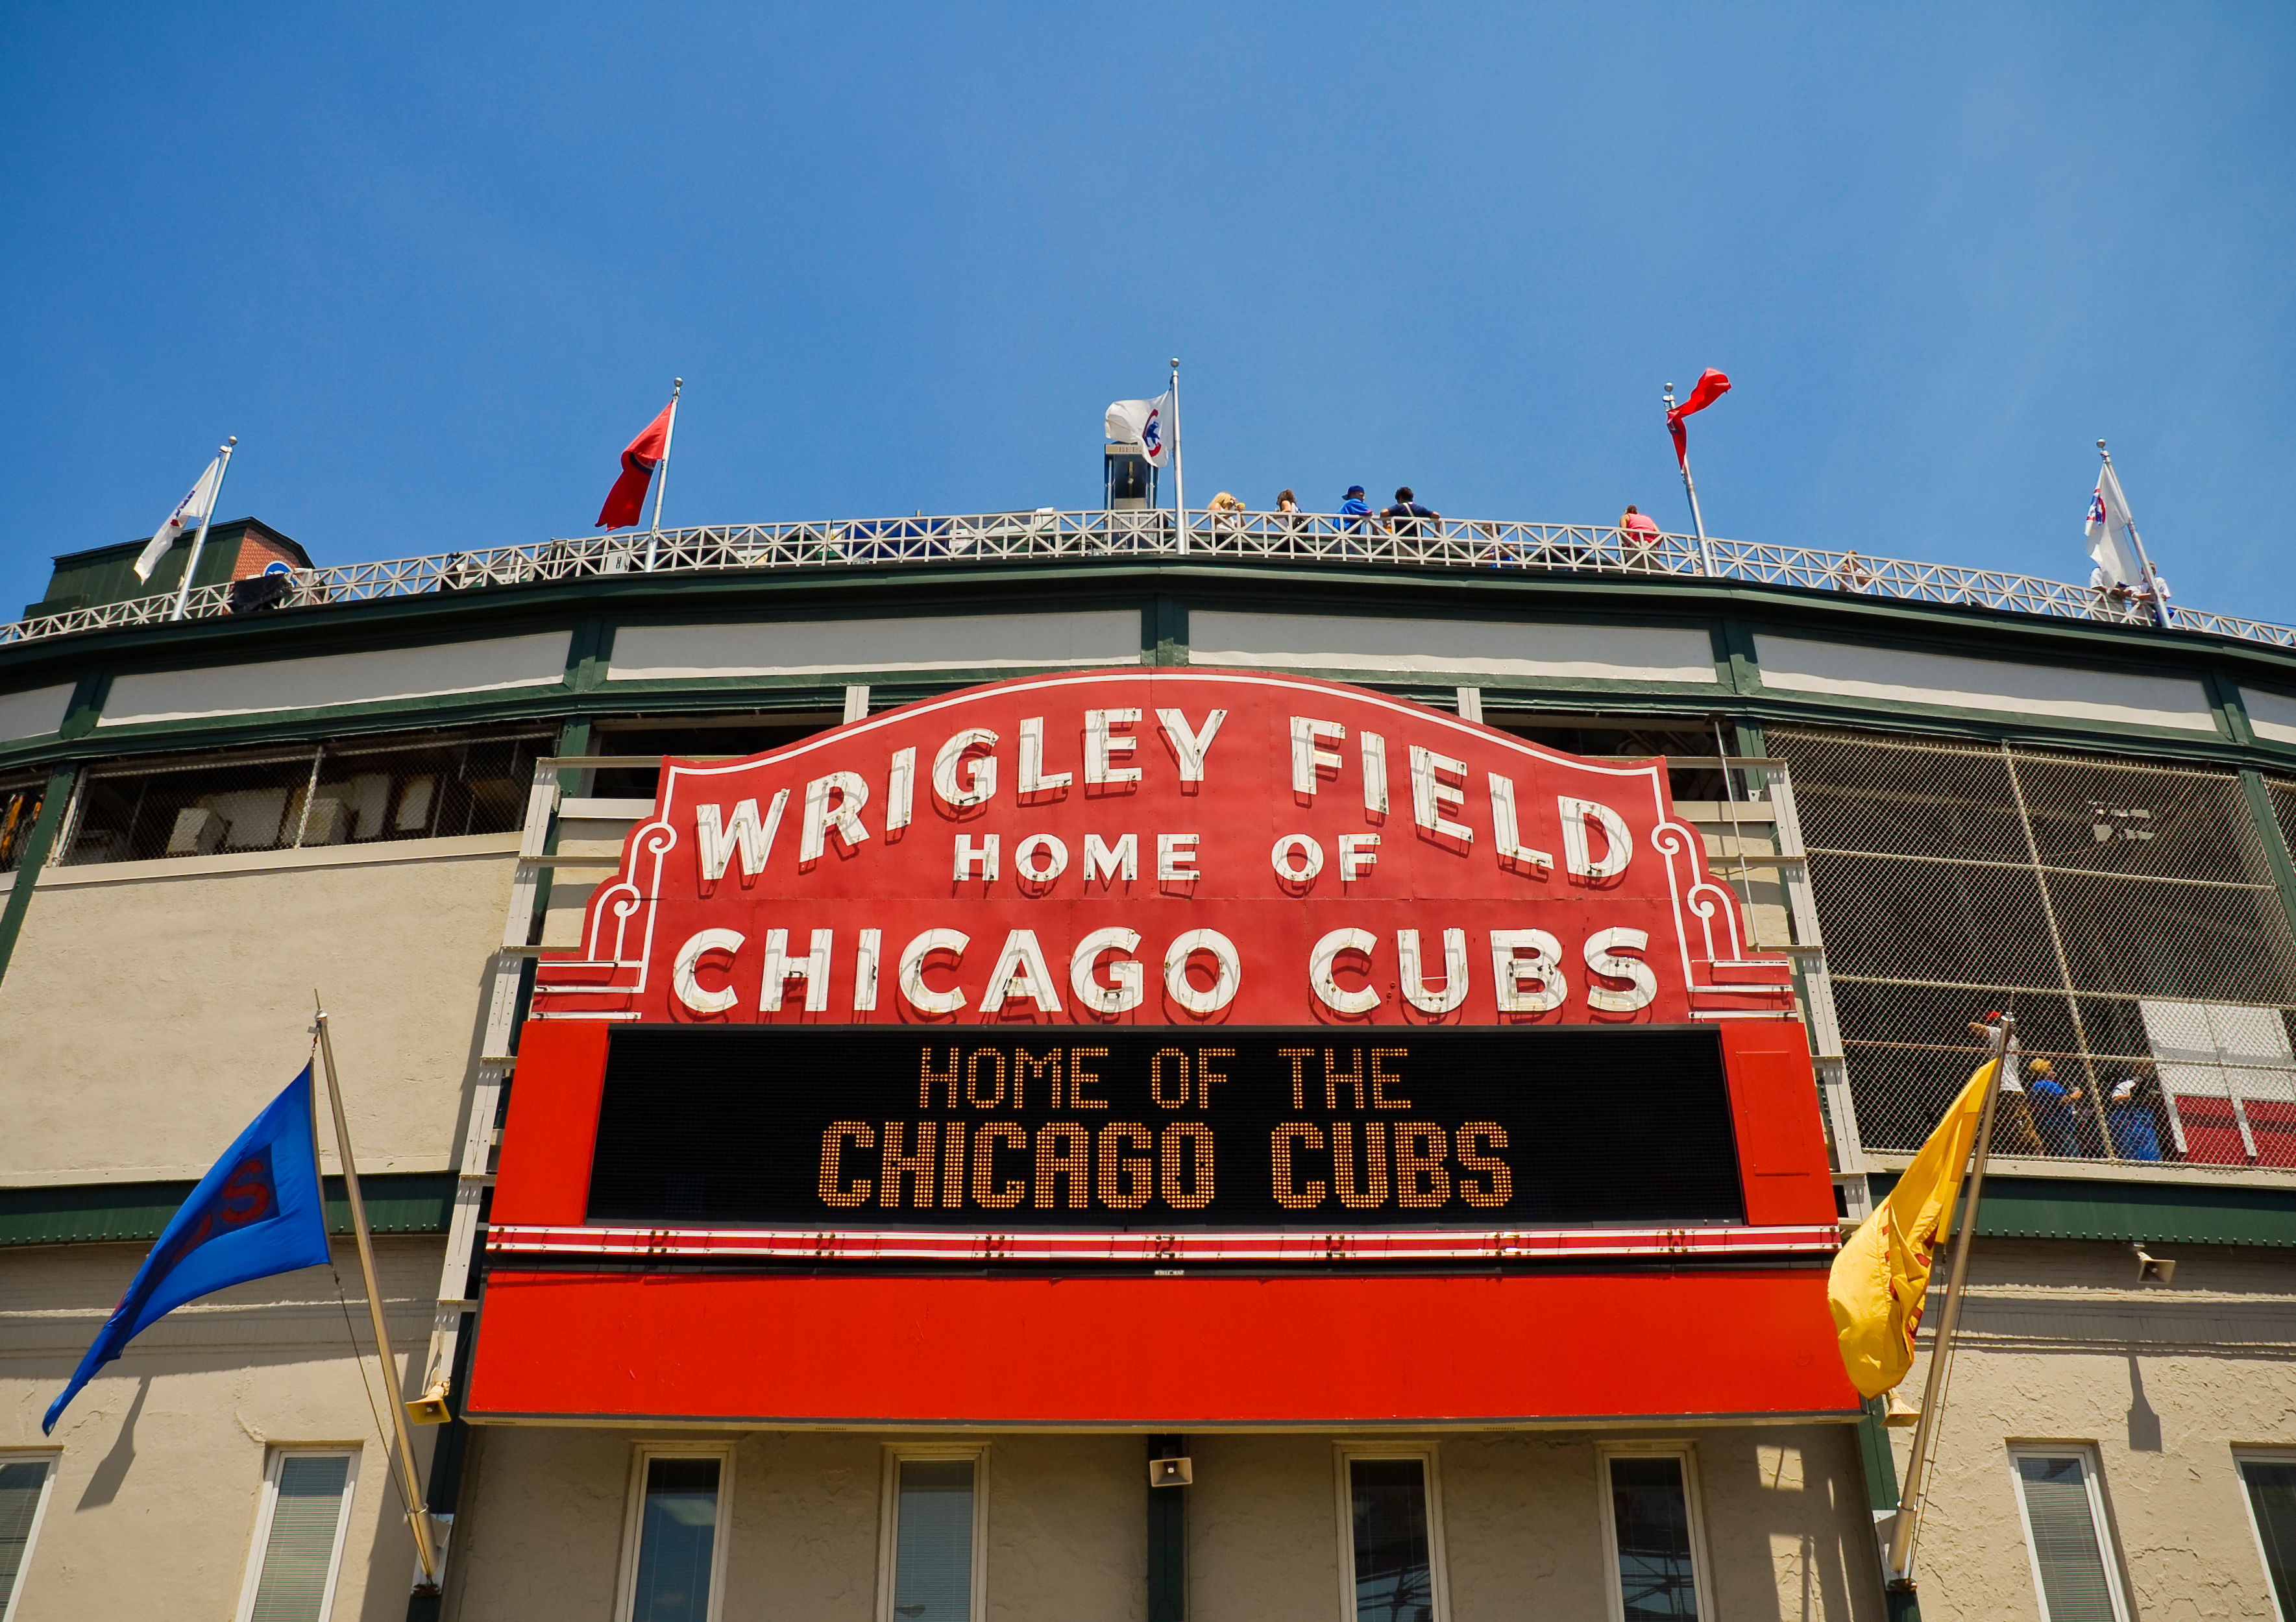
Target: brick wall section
255, 552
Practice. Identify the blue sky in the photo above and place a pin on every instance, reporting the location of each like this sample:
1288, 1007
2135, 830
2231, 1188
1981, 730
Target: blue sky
435, 267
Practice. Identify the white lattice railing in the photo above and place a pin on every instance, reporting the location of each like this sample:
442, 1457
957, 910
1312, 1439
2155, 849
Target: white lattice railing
1048, 535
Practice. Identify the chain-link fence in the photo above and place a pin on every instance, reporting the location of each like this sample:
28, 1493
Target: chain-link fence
356, 791
2125, 912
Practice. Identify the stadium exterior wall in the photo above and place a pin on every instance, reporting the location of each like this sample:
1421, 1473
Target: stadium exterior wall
147, 1004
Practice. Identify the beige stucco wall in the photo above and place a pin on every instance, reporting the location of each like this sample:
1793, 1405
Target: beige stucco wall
542, 1534
1522, 1525
2061, 1344
153, 1511
146, 1017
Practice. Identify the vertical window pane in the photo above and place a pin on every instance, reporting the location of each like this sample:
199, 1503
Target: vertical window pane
1393, 1580
2272, 1495
301, 1547
677, 1538
2074, 1587
932, 1540
1650, 1513
19, 1495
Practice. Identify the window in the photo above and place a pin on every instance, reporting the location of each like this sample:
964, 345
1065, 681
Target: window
2270, 1480
2058, 1495
352, 791
298, 1535
23, 1495
1655, 1542
674, 1545
931, 1565
1391, 1536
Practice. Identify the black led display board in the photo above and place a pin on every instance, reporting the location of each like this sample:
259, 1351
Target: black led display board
1162, 1128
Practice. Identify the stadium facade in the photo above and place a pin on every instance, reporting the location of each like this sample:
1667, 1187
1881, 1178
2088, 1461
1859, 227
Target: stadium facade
1015, 1359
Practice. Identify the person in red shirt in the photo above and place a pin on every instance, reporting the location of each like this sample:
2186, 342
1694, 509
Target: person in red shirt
1638, 536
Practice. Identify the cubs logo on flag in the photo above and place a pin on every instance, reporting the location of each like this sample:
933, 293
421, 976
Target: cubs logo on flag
1142, 421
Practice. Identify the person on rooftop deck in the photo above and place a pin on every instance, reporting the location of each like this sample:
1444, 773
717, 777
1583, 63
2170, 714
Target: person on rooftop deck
2135, 1130
1407, 518
1355, 509
1638, 536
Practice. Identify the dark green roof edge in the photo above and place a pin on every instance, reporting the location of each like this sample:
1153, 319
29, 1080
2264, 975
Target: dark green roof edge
113, 1213
1738, 609
2167, 1213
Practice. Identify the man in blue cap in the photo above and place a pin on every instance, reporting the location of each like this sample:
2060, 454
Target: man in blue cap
1355, 509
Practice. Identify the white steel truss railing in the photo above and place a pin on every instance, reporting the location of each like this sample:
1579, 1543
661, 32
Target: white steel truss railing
1050, 535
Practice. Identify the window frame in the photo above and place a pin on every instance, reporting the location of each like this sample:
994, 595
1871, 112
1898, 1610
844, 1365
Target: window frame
275, 1458
1439, 1574
2240, 1456
2108, 1535
53, 1459
888, 1516
1702, 1561
642, 1453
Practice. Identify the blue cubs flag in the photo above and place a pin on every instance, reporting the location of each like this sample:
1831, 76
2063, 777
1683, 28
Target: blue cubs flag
257, 1212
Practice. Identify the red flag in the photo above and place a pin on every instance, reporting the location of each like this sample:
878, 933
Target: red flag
626, 502
1711, 387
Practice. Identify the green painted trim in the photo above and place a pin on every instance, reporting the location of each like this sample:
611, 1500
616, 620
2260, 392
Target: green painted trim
589, 655
2167, 1213
114, 1213
37, 844
1168, 1539
1164, 632
1736, 663
1440, 597
2230, 709
2275, 842
86, 709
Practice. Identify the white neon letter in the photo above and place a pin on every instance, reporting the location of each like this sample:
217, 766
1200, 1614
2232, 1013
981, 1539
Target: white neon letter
1100, 743
683, 975
1190, 747
1603, 959
1308, 755
968, 857
922, 997
1506, 831
1319, 971
1576, 814
1108, 863
1528, 985
1413, 974
1430, 796
1299, 848
1021, 971
821, 816
980, 773
780, 968
1033, 779
716, 842
1130, 981
1176, 970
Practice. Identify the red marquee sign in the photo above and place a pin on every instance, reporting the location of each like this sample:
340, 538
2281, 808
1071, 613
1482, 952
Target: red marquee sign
1161, 996
1164, 846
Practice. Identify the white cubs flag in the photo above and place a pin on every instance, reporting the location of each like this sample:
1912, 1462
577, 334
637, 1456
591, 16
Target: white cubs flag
2108, 530
194, 509
1146, 422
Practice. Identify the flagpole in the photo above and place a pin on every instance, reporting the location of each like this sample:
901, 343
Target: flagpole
1179, 478
1690, 488
2161, 615
661, 474
1910, 1501
418, 1514
200, 541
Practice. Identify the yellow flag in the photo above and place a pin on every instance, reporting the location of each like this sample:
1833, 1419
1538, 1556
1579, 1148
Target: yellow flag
1882, 1277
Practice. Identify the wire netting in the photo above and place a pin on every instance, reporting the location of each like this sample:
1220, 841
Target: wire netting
358, 790
2126, 911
